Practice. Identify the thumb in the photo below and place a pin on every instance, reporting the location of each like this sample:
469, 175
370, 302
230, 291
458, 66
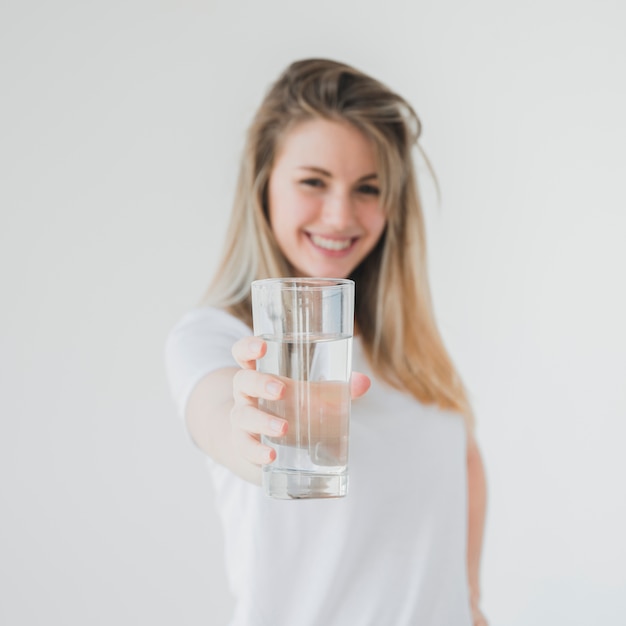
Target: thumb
359, 384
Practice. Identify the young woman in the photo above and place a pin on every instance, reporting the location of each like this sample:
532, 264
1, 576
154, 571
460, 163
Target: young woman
327, 188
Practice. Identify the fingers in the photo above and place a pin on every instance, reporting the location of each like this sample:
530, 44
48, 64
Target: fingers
254, 421
359, 384
249, 384
247, 350
251, 449
248, 422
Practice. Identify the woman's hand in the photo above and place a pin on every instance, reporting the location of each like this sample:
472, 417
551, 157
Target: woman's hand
478, 619
248, 422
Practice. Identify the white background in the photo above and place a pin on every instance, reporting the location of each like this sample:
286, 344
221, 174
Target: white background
121, 125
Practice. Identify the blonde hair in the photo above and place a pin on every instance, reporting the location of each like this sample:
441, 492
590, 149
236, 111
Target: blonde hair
393, 309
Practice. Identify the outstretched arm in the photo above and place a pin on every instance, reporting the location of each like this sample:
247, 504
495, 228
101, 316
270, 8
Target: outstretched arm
223, 417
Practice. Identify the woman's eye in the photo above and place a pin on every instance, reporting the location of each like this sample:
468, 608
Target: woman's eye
369, 190
313, 182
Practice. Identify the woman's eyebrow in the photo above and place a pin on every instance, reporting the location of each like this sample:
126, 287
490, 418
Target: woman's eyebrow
318, 170
323, 172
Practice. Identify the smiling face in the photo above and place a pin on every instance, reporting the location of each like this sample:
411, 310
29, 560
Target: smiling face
324, 198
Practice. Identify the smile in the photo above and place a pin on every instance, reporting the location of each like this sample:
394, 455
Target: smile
336, 245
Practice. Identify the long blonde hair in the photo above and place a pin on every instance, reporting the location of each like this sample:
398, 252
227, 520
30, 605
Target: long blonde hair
393, 308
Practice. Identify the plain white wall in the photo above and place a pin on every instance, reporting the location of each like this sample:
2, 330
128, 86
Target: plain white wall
121, 124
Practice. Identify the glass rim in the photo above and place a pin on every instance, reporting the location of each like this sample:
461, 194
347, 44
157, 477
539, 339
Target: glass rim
312, 283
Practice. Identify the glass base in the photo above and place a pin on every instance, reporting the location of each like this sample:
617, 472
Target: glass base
293, 485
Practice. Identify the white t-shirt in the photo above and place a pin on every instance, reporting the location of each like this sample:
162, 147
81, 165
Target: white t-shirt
391, 553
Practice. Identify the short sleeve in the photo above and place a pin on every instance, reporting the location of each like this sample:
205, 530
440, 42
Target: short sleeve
200, 343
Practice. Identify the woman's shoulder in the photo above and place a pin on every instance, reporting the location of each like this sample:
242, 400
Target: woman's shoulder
206, 319
199, 343
204, 335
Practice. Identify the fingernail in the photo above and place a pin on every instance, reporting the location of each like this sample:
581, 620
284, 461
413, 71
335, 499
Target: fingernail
255, 346
277, 426
274, 388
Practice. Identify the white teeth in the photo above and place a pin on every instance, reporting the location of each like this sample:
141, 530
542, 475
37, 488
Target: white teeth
331, 244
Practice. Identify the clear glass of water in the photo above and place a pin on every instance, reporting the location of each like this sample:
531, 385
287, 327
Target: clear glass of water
308, 325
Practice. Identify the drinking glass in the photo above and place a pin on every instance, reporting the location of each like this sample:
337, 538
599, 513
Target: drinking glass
307, 324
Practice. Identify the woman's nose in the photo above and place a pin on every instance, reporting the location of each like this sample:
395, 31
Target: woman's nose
338, 211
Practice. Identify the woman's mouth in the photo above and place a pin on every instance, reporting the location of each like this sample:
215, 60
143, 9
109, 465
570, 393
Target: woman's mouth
335, 244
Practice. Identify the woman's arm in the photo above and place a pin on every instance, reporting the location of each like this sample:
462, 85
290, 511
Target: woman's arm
477, 505
222, 415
